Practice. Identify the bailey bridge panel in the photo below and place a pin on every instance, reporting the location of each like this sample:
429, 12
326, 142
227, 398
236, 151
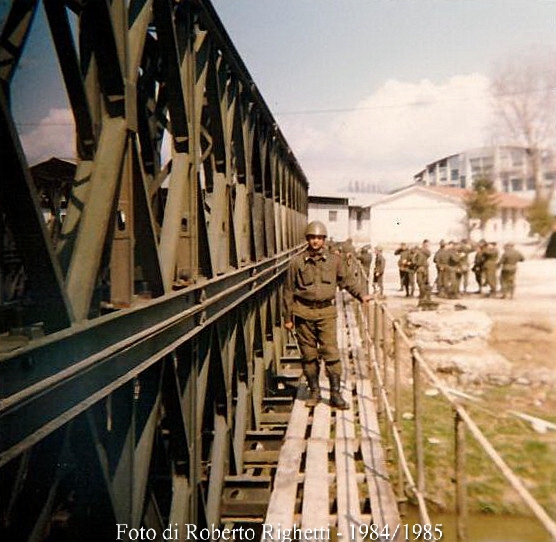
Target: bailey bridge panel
140, 319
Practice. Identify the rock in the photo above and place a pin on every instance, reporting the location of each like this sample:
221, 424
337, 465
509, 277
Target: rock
448, 326
500, 380
457, 360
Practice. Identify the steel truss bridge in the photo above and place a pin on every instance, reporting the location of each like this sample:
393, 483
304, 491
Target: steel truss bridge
141, 334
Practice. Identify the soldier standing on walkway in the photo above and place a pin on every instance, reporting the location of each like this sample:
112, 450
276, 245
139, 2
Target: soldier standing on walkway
508, 264
309, 308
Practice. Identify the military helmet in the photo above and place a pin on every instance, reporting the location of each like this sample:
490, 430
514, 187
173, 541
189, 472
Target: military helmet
316, 228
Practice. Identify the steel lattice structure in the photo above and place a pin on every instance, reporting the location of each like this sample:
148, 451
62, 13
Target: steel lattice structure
154, 306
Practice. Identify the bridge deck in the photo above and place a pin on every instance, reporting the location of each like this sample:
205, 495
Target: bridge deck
331, 471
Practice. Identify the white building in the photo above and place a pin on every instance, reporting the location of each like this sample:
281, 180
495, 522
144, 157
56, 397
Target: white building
333, 212
418, 212
434, 212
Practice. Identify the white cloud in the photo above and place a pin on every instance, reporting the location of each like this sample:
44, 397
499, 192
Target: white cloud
386, 138
392, 134
53, 136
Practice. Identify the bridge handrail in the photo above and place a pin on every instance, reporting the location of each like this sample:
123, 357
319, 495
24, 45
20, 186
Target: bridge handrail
377, 338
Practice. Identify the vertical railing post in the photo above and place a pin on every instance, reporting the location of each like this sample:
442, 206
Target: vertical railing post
376, 340
368, 316
461, 483
385, 378
376, 331
400, 487
417, 413
385, 349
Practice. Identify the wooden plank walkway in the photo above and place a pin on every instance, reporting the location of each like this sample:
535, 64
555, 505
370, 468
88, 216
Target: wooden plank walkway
331, 481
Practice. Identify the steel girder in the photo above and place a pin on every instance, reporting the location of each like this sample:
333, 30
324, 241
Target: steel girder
159, 293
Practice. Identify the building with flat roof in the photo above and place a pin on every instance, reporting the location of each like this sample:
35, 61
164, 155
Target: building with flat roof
509, 167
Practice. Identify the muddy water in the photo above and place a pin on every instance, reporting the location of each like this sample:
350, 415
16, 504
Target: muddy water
490, 528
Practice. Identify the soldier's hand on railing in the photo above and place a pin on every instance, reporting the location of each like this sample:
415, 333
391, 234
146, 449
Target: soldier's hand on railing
366, 298
288, 326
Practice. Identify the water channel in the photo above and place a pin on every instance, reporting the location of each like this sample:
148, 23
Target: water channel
489, 528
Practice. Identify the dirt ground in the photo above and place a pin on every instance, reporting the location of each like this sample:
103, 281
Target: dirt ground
524, 329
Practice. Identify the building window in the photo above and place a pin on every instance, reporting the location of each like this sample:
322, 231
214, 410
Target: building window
332, 216
530, 183
517, 185
517, 157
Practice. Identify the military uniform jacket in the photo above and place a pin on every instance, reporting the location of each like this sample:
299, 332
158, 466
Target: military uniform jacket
314, 278
510, 258
404, 262
442, 258
380, 264
421, 258
490, 255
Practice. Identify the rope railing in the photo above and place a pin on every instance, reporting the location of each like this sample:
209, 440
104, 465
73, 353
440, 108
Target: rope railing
379, 325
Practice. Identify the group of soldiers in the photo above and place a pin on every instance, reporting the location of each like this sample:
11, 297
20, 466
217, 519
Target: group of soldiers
452, 261
371, 267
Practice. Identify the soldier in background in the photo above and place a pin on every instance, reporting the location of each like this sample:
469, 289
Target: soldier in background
452, 269
401, 251
309, 307
365, 257
441, 260
508, 264
421, 266
404, 266
478, 266
490, 264
464, 248
410, 290
378, 272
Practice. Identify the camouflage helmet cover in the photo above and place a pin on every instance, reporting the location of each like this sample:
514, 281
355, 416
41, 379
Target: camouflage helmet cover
316, 228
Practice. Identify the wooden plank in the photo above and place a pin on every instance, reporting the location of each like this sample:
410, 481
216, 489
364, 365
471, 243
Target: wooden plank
347, 493
384, 506
316, 494
281, 508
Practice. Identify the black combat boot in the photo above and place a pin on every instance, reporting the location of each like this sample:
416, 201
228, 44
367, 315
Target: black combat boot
336, 399
314, 391
311, 372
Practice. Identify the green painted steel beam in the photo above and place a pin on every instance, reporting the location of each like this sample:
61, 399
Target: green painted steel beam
48, 383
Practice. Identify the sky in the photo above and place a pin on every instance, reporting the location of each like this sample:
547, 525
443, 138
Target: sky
364, 91
374, 90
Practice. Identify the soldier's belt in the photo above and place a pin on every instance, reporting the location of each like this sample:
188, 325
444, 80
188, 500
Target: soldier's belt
315, 304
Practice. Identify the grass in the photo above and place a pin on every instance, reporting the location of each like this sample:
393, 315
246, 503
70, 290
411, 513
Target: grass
530, 455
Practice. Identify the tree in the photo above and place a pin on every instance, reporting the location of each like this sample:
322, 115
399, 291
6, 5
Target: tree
540, 218
525, 107
481, 203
